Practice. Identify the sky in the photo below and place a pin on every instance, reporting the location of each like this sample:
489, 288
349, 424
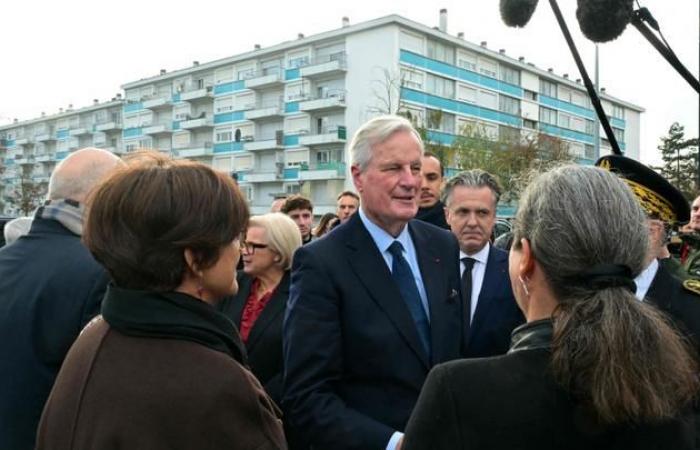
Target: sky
73, 51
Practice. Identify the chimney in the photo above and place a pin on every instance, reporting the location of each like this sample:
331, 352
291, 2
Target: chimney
531, 64
70, 107
483, 44
443, 20
15, 121
60, 110
95, 101
550, 70
119, 96
502, 51
300, 36
460, 35
566, 75
257, 47
43, 114
602, 89
162, 71
195, 63
521, 58
346, 21
578, 80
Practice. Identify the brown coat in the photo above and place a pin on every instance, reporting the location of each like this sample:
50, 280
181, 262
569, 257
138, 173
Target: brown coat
122, 392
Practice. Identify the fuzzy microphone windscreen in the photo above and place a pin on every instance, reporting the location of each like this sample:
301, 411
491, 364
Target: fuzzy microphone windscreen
517, 13
603, 20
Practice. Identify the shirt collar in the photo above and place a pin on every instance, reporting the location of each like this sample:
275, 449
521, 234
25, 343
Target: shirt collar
645, 278
481, 256
380, 237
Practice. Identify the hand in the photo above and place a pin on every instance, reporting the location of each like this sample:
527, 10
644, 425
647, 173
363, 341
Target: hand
400, 444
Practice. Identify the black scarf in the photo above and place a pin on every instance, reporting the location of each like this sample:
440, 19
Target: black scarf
532, 335
433, 214
171, 315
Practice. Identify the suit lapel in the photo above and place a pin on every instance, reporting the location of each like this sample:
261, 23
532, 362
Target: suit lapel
371, 269
660, 289
272, 310
492, 277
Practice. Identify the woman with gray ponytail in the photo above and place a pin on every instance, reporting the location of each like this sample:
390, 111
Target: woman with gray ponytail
593, 367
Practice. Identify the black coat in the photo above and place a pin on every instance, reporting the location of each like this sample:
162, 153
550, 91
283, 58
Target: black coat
512, 402
50, 287
354, 363
264, 345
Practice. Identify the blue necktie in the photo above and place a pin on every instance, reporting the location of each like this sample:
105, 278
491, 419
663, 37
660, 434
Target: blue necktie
403, 276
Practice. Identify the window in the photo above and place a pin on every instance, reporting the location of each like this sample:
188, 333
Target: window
508, 134
441, 52
578, 124
488, 99
181, 140
246, 73
548, 88
510, 75
411, 79
529, 95
323, 157
223, 75
578, 98
531, 124
224, 136
590, 127
619, 134
509, 105
466, 94
466, 60
299, 61
618, 112
487, 67
442, 87
589, 151
224, 104
564, 120
565, 94
440, 120
548, 115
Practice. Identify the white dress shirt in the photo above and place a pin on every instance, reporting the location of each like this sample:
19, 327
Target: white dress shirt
645, 278
478, 272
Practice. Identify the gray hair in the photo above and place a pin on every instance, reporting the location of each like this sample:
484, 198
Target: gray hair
16, 228
375, 132
475, 178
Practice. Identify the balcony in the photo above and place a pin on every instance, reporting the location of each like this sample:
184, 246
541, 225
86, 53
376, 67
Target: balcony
45, 137
81, 131
199, 123
42, 158
155, 104
332, 99
197, 94
42, 178
262, 177
24, 160
160, 129
109, 126
270, 143
269, 110
265, 80
194, 150
325, 137
322, 171
326, 65
24, 141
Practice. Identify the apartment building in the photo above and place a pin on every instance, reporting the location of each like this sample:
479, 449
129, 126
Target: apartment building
280, 117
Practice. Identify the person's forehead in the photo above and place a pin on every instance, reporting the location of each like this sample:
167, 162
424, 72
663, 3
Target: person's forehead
696, 202
431, 164
347, 200
397, 146
299, 212
472, 193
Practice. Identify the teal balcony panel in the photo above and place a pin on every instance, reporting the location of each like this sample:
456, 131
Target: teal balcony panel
176, 125
291, 140
227, 88
460, 107
617, 123
229, 117
291, 107
441, 137
226, 147
566, 106
131, 107
176, 97
63, 133
291, 74
60, 155
291, 173
459, 73
568, 134
132, 132
9, 161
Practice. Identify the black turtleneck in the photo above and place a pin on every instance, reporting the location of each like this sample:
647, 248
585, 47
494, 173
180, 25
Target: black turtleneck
433, 214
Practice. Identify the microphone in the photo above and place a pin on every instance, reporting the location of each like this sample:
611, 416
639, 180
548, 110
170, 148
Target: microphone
517, 13
603, 20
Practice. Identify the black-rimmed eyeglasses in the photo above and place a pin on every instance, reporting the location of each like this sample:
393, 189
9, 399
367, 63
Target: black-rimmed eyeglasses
250, 247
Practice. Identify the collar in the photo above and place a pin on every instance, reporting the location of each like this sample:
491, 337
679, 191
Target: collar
645, 278
67, 212
532, 335
381, 238
481, 256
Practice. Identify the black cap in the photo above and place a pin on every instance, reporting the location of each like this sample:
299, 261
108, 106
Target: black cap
657, 196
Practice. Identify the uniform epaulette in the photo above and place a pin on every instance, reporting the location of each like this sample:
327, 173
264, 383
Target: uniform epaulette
692, 285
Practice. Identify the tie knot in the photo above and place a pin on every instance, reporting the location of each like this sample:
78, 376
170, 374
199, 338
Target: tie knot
396, 249
468, 262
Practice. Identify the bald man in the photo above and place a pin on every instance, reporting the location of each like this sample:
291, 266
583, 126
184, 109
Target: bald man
50, 287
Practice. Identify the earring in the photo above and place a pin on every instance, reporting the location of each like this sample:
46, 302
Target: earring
522, 282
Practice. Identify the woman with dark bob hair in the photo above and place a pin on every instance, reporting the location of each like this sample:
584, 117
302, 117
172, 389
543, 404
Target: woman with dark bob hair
593, 367
161, 368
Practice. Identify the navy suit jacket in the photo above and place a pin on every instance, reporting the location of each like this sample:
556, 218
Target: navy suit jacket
50, 287
264, 344
497, 314
354, 364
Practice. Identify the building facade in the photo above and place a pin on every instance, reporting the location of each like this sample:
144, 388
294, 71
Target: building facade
281, 117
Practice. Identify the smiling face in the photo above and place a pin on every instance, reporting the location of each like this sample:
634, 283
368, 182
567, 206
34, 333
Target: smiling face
389, 186
471, 214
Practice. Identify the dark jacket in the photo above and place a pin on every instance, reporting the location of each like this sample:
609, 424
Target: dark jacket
512, 402
354, 363
497, 314
50, 287
264, 345
163, 391
434, 214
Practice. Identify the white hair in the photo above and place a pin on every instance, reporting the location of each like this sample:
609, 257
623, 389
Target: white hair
16, 228
375, 132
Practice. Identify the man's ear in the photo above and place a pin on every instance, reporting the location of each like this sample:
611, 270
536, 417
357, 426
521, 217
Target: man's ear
356, 178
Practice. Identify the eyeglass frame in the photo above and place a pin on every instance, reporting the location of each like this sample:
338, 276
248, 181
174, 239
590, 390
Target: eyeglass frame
247, 246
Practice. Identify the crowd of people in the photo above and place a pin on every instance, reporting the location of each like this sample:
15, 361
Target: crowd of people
143, 308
